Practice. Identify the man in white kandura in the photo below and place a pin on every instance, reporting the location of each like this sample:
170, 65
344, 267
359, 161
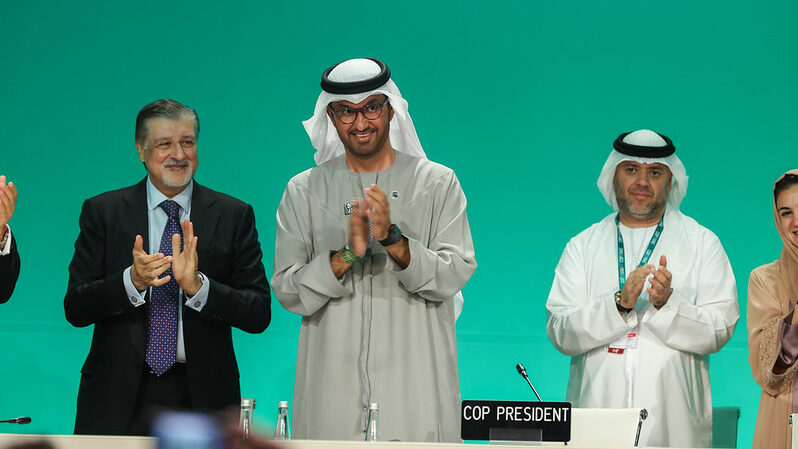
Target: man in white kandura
641, 298
372, 248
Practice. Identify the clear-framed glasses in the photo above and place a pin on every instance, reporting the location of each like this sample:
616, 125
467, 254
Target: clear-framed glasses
371, 111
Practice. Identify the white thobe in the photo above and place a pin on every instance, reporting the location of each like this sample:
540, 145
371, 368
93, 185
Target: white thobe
381, 333
665, 369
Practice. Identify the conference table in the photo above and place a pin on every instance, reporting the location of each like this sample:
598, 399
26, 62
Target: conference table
591, 428
122, 442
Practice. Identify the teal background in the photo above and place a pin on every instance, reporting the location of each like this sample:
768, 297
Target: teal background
522, 98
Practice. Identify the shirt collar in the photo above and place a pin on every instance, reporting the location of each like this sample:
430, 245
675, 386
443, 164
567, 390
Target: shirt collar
155, 197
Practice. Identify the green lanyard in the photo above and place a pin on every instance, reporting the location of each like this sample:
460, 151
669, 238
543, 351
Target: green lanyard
646, 255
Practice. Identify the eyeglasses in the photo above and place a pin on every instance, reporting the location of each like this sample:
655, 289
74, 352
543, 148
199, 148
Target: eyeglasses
371, 111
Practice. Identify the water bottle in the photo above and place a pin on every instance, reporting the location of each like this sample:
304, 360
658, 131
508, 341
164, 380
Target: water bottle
245, 418
283, 429
373, 428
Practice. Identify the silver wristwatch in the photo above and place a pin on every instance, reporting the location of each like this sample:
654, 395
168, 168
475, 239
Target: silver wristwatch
618, 305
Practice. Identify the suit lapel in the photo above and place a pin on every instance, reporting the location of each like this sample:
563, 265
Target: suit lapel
132, 220
205, 219
133, 216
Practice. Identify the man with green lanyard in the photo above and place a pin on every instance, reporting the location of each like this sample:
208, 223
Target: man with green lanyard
641, 298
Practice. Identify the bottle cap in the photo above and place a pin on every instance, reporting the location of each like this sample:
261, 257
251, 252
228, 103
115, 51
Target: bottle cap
282, 404
373, 406
247, 403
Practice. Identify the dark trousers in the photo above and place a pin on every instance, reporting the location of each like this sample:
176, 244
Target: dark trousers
169, 391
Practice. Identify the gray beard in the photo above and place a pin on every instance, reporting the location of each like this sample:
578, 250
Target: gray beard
180, 183
177, 182
653, 210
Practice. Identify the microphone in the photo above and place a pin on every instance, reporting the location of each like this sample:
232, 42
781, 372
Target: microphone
522, 371
20, 420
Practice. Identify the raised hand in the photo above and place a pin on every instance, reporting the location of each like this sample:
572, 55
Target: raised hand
660, 289
8, 202
147, 267
634, 286
359, 227
186, 260
380, 211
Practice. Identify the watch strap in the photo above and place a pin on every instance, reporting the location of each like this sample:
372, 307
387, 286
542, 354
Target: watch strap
394, 235
618, 305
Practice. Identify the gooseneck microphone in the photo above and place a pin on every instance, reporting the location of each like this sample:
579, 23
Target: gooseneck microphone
20, 420
522, 371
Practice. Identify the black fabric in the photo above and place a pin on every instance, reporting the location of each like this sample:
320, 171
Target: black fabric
229, 255
168, 392
355, 87
9, 271
644, 151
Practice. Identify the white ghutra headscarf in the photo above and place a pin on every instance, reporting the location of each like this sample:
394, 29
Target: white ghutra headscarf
321, 130
644, 147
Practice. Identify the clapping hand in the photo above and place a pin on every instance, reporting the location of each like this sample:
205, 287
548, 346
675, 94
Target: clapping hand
147, 267
8, 202
660, 289
186, 260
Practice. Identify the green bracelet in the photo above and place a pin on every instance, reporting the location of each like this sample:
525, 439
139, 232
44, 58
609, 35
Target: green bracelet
348, 255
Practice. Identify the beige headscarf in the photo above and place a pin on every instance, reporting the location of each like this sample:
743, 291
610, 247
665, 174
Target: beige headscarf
788, 285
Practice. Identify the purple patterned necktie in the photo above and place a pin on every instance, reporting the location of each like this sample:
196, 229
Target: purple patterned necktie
164, 300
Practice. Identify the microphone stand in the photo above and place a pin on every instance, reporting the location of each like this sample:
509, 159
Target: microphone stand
522, 371
20, 420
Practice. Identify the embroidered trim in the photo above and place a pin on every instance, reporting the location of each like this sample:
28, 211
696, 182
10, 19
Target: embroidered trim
769, 350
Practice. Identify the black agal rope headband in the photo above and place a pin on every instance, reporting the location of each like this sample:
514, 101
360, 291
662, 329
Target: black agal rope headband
355, 87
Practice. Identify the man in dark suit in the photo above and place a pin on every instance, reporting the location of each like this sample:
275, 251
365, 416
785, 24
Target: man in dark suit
9, 257
163, 269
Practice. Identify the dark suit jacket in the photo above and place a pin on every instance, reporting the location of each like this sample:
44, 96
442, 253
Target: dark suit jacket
9, 271
229, 255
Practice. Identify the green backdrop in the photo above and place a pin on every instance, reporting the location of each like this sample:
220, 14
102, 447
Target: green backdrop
522, 98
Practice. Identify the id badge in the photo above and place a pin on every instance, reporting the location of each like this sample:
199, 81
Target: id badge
615, 350
631, 339
628, 341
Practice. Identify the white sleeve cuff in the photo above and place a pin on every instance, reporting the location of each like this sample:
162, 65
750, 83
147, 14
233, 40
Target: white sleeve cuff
198, 301
5, 243
133, 295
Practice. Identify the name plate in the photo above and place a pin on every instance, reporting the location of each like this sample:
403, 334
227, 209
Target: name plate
515, 421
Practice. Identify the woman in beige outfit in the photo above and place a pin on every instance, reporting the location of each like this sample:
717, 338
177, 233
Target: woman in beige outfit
772, 325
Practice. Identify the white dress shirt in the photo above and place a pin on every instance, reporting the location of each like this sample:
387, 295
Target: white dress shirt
5, 242
157, 219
